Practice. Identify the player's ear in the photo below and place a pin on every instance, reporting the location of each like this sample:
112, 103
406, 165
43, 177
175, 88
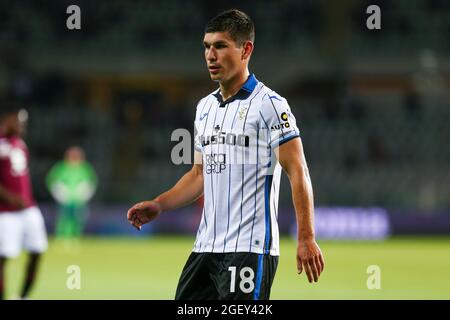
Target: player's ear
247, 49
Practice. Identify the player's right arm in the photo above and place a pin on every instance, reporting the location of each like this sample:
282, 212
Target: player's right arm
188, 189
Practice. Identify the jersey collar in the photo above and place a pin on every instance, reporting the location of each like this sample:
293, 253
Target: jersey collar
243, 93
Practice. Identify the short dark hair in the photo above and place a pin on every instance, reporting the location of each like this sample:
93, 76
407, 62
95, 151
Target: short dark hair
8, 107
237, 23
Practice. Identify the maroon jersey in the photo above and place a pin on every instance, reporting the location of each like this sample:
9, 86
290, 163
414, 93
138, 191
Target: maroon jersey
14, 174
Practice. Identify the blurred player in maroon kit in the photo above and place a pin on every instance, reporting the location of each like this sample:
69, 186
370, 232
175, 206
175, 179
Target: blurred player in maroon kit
21, 222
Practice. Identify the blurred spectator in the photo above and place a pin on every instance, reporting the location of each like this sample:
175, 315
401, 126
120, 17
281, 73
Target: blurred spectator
377, 150
351, 160
331, 109
128, 149
356, 108
411, 105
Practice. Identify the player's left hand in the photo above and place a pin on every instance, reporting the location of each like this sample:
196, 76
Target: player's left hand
310, 258
143, 212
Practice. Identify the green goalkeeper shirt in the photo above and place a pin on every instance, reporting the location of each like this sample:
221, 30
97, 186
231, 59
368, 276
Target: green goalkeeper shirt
72, 183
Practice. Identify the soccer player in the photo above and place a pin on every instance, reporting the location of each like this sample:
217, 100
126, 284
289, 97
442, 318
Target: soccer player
21, 222
72, 182
236, 251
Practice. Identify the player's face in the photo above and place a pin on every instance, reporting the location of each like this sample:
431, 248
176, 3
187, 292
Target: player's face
223, 56
15, 123
74, 155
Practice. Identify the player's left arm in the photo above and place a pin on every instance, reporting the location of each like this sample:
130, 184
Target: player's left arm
292, 159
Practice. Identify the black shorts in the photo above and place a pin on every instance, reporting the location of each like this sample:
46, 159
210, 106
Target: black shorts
228, 276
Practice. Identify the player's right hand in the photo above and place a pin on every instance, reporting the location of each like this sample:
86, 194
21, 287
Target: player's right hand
16, 201
143, 212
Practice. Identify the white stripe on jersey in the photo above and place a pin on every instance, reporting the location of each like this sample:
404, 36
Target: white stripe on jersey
240, 171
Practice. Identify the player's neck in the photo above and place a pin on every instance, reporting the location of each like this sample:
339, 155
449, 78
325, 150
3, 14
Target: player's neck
231, 87
8, 134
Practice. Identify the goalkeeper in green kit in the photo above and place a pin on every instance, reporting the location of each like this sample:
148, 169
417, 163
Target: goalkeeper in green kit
72, 182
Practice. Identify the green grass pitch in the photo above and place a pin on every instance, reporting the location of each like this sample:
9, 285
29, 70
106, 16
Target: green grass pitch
138, 268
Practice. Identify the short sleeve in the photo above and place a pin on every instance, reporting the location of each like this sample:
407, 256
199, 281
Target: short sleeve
278, 119
5, 148
197, 144
197, 122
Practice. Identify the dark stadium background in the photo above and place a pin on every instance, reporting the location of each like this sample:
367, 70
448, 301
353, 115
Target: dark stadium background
373, 106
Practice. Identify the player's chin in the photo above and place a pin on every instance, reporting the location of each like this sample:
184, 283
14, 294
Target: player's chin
215, 76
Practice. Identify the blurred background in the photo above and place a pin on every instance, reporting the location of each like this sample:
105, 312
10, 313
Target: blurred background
372, 106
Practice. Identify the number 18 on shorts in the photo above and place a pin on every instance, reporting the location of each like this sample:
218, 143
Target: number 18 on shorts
227, 276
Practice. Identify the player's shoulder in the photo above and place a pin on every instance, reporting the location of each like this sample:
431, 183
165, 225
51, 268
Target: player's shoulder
271, 99
211, 95
5, 146
5, 141
272, 95
204, 101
